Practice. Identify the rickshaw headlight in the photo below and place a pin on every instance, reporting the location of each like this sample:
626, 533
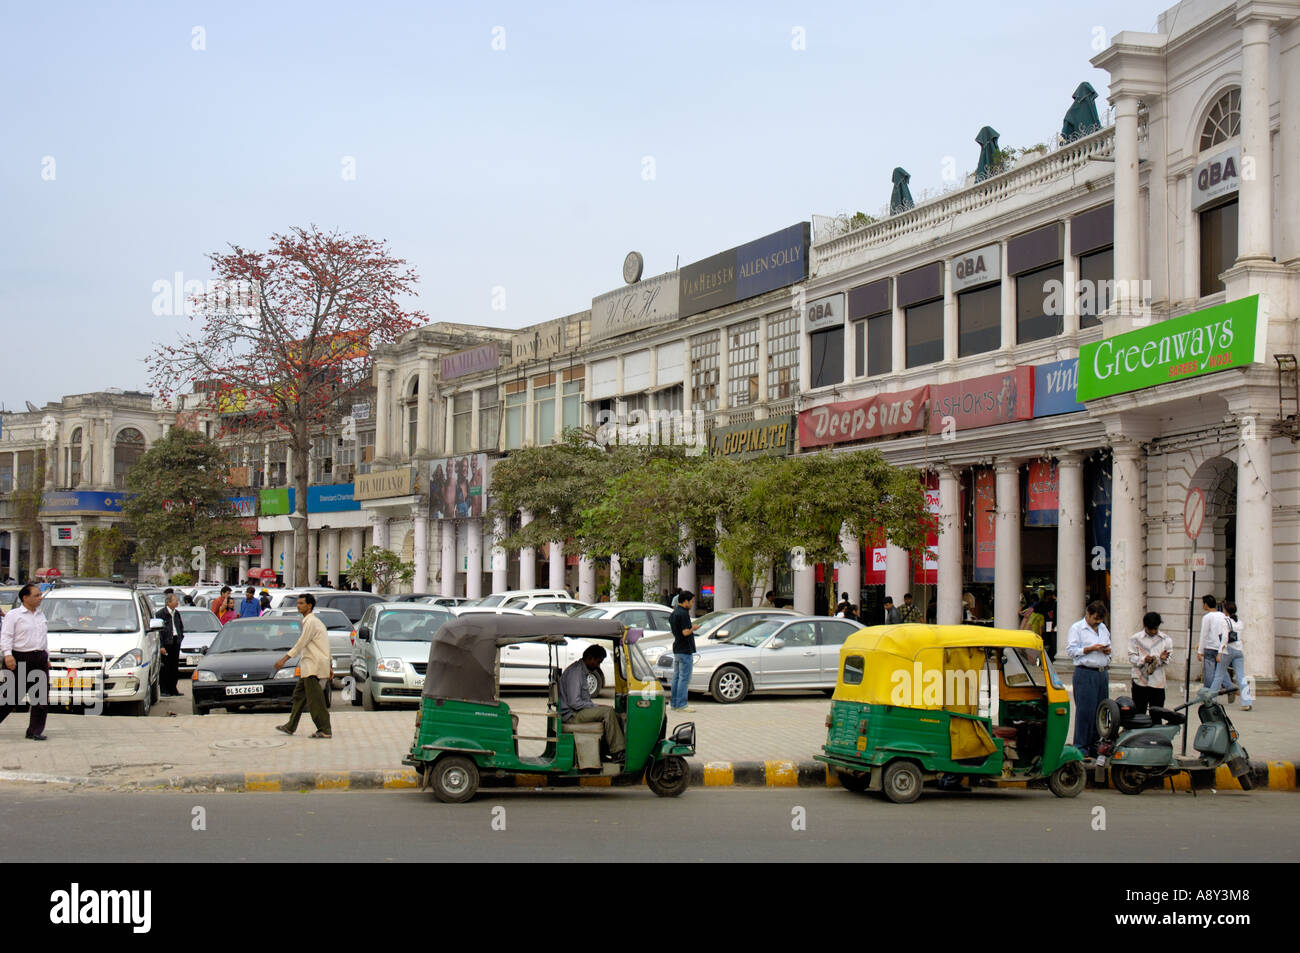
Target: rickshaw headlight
392, 665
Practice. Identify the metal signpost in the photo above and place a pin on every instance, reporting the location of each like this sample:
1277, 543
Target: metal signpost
1193, 519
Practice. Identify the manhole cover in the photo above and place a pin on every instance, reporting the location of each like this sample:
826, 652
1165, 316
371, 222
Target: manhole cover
249, 743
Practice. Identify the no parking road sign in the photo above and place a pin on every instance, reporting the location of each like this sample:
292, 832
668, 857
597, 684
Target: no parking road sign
1194, 513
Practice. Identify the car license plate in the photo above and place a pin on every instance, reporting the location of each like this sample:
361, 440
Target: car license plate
243, 689
58, 682
419, 681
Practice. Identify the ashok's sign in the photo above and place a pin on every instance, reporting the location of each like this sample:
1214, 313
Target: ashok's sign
771, 437
1203, 342
983, 401
864, 419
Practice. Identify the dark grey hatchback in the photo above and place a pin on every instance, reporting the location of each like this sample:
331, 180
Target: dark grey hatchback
238, 669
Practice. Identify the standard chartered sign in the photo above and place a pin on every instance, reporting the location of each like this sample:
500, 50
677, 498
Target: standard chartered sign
1203, 342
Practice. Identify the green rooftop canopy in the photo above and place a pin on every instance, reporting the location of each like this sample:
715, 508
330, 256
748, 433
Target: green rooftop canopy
988, 140
900, 200
1081, 118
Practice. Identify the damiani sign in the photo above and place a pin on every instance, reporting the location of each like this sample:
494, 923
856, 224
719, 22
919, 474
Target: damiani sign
1216, 339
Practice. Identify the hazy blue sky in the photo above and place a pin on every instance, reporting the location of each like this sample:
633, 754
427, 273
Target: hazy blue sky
523, 168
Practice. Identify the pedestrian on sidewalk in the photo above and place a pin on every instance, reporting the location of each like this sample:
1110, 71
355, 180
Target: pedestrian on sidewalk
1148, 653
1088, 644
170, 638
314, 664
892, 615
1214, 633
222, 602
249, 607
910, 612
25, 645
1232, 657
683, 651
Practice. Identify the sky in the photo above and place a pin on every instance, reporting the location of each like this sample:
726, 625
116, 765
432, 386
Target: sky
513, 153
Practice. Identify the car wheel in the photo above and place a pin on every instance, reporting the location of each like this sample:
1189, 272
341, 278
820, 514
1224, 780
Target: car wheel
669, 777
902, 782
368, 699
454, 779
358, 688
153, 693
141, 708
851, 781
1108, 716
1129, 780
198, 709
1068, 780
729, 685
595, 683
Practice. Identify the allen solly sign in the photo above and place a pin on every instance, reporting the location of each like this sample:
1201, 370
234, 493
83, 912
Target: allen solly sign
1203, 342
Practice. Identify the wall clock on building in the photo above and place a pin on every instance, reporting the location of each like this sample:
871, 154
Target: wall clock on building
632, 266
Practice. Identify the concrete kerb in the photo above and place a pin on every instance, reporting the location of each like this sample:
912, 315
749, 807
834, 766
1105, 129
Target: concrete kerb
776, 773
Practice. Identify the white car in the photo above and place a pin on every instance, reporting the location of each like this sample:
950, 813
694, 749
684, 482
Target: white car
650, 617
501, 598
201, 627
391, 652
546, 605
525, 664
341, 631
104, 647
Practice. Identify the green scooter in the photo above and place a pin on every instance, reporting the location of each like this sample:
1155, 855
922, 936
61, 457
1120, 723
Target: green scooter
1140, 748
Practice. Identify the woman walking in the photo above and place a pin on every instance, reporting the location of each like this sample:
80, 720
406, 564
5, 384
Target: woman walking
1231, 657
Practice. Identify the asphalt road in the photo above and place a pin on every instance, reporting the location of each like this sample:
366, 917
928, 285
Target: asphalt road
41, 824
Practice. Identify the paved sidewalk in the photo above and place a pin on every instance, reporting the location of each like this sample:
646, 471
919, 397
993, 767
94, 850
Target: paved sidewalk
174, 747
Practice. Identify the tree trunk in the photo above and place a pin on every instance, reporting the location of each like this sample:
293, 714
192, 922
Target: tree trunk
301, 447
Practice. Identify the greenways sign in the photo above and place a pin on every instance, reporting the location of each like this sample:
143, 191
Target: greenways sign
1203, 342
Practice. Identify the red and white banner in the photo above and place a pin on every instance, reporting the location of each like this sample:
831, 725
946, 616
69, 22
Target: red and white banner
1043, 503
852, 420
926, 569
984, 525
873, 569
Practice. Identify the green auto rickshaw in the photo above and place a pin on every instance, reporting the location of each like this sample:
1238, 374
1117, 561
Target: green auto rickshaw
960, 704
466, 735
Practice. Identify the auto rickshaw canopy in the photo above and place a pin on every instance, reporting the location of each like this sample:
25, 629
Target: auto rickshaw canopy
921, 666
463, 652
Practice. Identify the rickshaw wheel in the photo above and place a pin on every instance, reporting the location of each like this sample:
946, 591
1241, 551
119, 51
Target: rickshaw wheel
1068, 780
902, 782
454, 779
857, 783
1129, 780
668, 777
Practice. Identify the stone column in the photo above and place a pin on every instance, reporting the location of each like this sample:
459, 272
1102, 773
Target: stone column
420, 550
898, 580
448, 582
1070, 556
106, 454
1255, 571
383, 413
527, 558
1157, 228
1288, 250
268, 544
650, 579
724, 581
15, 543
333, 540
1007, 301
500, 561
380, 532
1255, 197
950, 324
1007, 577
313, 558
1128, 214
424, 413
948, 609
586, 578
474, 560
357, 544
805, 590
1128, 542
47, 546
555, 565
686, 572
850, 570
243, 570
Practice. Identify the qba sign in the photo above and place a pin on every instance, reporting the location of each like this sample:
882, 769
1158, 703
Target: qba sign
765, 264
978, 267
825, 312
1216, 177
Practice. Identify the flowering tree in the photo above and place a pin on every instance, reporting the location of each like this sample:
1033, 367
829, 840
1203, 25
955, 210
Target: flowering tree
287, 334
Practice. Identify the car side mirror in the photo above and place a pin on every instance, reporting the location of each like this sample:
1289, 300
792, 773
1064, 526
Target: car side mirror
719, 634
203, 650
776, 644
155, 625
363, 633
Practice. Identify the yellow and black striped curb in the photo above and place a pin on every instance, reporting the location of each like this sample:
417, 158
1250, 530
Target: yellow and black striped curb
775, 773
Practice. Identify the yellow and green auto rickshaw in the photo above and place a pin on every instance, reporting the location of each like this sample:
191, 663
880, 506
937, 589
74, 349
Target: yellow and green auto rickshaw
915, 703
465, 734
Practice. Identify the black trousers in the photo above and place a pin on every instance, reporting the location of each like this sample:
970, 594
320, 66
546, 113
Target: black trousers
1144, 697
33, 675
171, 663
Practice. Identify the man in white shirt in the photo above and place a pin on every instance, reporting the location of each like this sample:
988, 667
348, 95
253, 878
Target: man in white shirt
1214, 633
25, 645
1148, 651
1088, 644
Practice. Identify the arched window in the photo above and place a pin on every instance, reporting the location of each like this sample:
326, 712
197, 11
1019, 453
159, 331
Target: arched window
74, 460
1224, 120
127, 451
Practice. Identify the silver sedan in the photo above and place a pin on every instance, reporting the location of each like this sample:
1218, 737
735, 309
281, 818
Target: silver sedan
802, 652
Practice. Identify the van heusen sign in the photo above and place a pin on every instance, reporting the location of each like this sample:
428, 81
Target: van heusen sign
1203, 342
746, 271
386, 484
1216, 177
771, 437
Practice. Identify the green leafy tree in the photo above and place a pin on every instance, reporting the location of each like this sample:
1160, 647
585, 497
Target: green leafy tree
103, 547
178, 498
380, 567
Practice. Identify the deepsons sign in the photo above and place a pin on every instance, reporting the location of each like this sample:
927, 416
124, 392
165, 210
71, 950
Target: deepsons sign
1203, 342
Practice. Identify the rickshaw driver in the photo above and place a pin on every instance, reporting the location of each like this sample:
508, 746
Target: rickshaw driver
576, 705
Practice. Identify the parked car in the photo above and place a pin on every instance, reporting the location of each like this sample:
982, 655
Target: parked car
501, 598
104, 647
201, 627
547, 605
238, 670
351, 604
447, 602
341, 631
802, 652
650, 617
391, 653
288, 598
716, 626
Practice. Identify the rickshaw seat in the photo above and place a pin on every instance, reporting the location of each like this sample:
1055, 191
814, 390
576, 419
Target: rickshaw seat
584, 727
1005, 732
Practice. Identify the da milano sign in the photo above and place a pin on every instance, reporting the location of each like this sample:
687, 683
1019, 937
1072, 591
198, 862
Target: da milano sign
1217, 339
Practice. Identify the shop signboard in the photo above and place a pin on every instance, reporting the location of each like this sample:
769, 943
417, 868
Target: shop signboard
984, 524
331, 498
1220, 338
386, 484
754, 268
277, 501
1216, 177
978, 267
983, 401
824, 313
81, 501
851, 420
472, 360
770, 437
1055, 386
927, 566
645, 304
1042, 502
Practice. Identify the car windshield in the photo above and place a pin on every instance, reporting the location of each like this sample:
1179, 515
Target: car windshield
199, 620
156, 599
591, 612
491, 600
755, 634
256, 635
67, 614
334, 618
399, 625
